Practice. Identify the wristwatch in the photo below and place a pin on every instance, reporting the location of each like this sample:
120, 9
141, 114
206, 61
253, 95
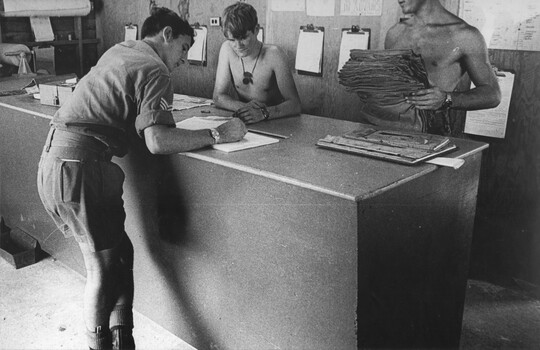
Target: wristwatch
265, 113
215, 135
447, 104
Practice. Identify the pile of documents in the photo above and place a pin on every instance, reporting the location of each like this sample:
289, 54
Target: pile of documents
384, 77
400, 146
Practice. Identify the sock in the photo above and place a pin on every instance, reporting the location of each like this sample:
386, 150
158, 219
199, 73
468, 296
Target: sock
100, 339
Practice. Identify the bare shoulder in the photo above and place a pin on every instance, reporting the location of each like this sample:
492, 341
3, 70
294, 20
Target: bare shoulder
226, 50
468, 37
274, 56
393, 34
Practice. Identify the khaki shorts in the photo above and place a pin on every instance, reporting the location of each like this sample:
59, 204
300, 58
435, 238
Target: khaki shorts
81, 190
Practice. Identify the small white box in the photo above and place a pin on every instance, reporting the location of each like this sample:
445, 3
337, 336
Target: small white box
55, 94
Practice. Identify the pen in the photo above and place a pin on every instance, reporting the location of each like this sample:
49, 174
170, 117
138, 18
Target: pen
268, 134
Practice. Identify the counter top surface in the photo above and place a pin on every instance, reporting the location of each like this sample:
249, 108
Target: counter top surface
297, 160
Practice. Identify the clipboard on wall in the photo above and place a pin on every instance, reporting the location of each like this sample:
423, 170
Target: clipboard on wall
354, 38
309, 51
130, 32
197, 52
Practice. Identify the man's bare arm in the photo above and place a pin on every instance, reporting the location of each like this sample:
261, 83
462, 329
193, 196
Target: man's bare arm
224, 82
474, 60
287, 87
486, 93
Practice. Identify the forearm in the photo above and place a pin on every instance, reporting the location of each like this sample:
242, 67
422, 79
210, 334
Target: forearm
481, 97
226, 102
284, 109
170, 140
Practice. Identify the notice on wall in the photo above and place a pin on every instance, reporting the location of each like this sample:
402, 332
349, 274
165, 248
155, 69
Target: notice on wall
492, 122
288, 5
507, 25
320, 7
361, 8
309, 51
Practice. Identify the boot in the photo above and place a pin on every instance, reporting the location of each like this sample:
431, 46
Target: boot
122, 338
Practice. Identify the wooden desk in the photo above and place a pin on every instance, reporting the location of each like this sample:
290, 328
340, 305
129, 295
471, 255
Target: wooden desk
286, 246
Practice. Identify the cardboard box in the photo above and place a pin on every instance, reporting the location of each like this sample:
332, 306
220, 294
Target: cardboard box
17, 247
55, 93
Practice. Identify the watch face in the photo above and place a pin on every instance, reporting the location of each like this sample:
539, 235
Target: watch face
215, 135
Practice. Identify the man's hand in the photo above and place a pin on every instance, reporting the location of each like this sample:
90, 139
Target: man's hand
251, 112
431, 99
231, 131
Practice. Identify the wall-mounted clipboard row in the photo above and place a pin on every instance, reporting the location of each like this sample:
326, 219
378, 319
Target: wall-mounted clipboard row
197, 52
309, 52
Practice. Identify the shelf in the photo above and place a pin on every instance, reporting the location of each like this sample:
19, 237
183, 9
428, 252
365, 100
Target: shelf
59, 42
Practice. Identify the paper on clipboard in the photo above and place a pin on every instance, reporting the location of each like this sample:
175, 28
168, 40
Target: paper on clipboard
349, 41
309, 51
197, 52
492, 122
130, 32
250, 140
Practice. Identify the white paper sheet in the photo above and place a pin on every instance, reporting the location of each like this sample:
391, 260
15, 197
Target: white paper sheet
130, 32
41, 26
361, 7
320, 7
350, 41
492, 122
309, 51
197, 52
250, 140
507, 25
288, 5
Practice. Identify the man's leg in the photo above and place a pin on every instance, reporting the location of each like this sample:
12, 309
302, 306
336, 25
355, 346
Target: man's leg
121, 319
100, 295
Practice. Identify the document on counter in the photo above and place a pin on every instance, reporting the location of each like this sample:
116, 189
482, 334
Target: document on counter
182, 102
402, 146
492, 122
250, 140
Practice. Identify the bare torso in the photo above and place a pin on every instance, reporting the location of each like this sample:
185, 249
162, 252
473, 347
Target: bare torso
264, 86
440, 45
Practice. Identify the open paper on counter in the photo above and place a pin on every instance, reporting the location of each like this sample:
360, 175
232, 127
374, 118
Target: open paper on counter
250, 140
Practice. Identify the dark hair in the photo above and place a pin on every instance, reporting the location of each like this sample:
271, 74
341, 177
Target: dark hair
238, 19
161, 17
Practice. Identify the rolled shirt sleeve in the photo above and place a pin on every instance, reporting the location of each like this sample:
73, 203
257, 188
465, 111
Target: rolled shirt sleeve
155, 103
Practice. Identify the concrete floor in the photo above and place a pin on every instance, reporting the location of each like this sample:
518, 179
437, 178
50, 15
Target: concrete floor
40, 308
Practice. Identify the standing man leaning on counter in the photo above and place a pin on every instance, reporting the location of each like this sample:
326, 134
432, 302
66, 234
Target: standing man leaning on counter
259, 73
129, 88
450, 48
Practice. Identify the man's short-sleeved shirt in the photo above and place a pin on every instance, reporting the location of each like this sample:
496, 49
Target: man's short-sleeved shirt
130, 86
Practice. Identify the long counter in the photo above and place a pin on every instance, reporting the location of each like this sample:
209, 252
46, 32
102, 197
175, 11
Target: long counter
285, 246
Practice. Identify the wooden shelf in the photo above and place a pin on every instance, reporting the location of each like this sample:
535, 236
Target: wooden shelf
60, 42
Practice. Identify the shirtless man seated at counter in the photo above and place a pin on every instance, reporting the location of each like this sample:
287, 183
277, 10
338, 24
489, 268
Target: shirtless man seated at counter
259, 73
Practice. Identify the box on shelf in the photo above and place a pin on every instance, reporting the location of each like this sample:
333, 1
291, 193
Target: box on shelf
55, 93
17, 247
